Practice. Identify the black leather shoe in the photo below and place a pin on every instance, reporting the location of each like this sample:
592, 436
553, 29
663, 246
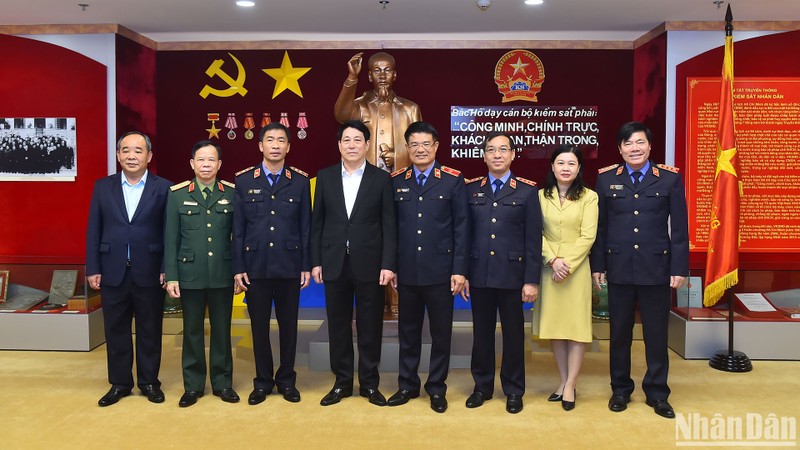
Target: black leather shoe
113, 396
375, 397
189, 398
438, 403
476, 399
570, 405
662, 408
335, 396
554, 397
514, 403
618, 403
257, 396
227, 395
402, 397
153, 393
290, 394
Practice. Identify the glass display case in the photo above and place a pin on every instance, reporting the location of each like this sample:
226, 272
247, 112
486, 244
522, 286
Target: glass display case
48, 307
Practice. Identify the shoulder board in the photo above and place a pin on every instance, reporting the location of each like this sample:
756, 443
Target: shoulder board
398, 172
472, 180
227, 183
526, 181
244, 170
180, 185
299, 171
451, 171
668, 168
607, 168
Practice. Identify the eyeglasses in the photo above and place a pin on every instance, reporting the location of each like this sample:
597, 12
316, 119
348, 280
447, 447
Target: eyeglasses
501, 150
415, 145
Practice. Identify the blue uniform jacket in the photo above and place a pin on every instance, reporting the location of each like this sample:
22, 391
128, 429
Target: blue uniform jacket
506, 243
271, 227
433, 227
633, 244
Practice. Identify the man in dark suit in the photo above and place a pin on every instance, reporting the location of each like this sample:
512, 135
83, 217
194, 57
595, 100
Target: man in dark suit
197, 259
504, 269
642, 249
354, 250
433, 228
271, 256
124, 259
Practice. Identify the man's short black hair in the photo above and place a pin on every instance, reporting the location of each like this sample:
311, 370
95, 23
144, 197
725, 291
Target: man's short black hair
274, 126
627, 130
421, 127
205, 143
357, 124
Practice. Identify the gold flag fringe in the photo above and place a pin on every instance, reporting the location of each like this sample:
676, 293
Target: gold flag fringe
714, 291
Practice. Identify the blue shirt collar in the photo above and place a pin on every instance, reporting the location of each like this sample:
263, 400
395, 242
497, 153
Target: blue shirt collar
644, 169
427, 172
504, 178
124, 180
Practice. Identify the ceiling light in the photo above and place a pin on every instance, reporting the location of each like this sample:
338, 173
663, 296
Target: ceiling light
245, 3
534, 2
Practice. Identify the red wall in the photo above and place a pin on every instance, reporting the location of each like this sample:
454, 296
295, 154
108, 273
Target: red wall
46, 221
435, 79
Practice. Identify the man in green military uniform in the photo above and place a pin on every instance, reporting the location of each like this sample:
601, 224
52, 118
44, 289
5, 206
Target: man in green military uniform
198, 270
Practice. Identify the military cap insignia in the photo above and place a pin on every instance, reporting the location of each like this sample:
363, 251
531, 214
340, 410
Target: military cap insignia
227, 183
451, 171
299, 171
398, 172
472, 180
244, 170
607, 168
180, 186
668, 168
526, 181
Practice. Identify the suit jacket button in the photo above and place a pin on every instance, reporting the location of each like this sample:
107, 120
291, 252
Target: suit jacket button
520, 258
208, 212
273, 197
188, 213
636, 246
210, 253
271, 244
636, 213
494, 220
635, 195
491, 252
493, 236
419, 231
635, 230
208, 225
420, 198
209, 239
247, 249
419, 214
419, 249
494, 204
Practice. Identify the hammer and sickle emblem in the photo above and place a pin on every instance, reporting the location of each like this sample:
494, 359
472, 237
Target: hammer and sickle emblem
235, 86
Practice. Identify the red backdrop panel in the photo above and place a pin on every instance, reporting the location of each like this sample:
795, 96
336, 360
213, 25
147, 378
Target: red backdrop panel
46, 221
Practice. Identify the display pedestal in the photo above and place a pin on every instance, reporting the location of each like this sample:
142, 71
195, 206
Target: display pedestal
702, 339
65, 332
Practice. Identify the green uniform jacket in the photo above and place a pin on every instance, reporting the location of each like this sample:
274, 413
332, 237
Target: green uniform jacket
197, 238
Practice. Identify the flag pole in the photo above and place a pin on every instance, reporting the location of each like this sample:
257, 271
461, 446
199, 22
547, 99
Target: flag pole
730, 360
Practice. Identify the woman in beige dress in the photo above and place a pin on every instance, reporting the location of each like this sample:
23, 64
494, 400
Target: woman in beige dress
569, 212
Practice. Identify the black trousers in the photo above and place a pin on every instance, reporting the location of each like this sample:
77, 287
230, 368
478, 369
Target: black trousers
369, 300
486, 303
120, 305
654, 307
414, 300
285, 292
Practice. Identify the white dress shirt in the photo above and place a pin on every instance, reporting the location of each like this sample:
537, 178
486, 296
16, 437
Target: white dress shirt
350, 184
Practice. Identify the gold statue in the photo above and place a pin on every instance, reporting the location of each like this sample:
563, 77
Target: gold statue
386, 115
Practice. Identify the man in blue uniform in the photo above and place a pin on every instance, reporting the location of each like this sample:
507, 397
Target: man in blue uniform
433, 228
504, 269
271, 256
197, 260
642, 250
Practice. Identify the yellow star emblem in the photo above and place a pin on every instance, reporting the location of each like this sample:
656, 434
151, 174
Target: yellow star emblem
519, 66
213, 131
724, 162
286, 76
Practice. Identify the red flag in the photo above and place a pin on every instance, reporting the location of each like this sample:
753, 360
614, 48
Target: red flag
722, 263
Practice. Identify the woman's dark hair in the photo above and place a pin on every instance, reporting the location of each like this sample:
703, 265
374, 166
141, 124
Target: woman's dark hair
576, 189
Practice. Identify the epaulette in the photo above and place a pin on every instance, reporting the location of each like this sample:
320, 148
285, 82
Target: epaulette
244, 170
227, 183
180, 185
472, 180
299, 171
668, 168
398, 172
607, 168
451, 171
526, 181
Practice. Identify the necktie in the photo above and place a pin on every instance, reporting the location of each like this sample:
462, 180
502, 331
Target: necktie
498, 183
637, 177
421, 179
272, 179
206, 193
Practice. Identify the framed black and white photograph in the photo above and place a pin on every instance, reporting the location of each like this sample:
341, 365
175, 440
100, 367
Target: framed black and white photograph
38, 149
